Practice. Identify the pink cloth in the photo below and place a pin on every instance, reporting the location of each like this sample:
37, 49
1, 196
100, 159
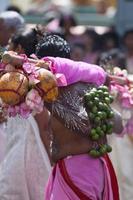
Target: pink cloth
90, 175
76, 71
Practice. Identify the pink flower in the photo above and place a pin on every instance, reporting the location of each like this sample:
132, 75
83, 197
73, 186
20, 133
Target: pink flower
117, 71
33, 79
29, 67
34, 101
113, 91
2, 66
126, 100
123, 94
24, 110
11, 111
33, 56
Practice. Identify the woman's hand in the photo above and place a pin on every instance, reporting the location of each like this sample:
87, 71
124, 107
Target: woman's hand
118, 80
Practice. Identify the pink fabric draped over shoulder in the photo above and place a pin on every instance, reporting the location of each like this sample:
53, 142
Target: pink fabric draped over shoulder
68, 71
89, 180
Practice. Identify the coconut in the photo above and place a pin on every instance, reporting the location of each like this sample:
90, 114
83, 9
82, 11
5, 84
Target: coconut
13, 87
47, 87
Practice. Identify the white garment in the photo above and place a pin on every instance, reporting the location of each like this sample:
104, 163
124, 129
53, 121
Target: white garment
122, 157
25, 169
2, 141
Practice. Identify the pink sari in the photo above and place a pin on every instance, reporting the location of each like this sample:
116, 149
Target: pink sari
81, 177
68, 71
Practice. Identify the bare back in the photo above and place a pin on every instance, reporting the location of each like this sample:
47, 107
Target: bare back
68, 125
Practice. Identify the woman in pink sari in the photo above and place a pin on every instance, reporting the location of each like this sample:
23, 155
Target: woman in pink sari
75, 174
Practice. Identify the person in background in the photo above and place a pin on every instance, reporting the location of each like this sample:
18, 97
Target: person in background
40, 7
24, 162
122, 153
104, 8
25, 169
122, 160
77, 51
110, 40
128, 49
25, 41
66, 22
82, 2
10, 23
91, 42
114, 58
14, 8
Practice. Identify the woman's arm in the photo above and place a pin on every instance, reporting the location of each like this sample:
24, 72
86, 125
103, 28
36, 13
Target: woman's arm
72, 70
117, 122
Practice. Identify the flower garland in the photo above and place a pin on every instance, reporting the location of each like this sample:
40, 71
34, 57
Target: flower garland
123, 95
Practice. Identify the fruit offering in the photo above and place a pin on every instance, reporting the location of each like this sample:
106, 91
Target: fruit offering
97, 104
47, 87
13, 87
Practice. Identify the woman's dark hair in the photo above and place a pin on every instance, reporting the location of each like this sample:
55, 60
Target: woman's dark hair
95, 38
114, 57
78, 45
128, 32
67, 17
111, 35
53, 45
28, 40
14, 8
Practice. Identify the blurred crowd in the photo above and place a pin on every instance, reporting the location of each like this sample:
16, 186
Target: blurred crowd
86, 42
